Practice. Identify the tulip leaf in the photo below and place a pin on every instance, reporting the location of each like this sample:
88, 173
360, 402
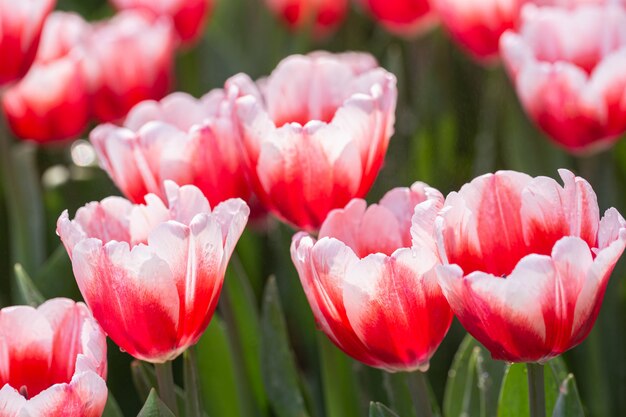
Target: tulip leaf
568, 402
379, 410
193, 395
277, 359
112, 409
143, 378
154, 407
216, 368
28, 292
397, 390
474, 381
338, 381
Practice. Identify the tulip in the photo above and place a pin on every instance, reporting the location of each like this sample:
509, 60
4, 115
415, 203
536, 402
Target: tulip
376, 298
53, 361
569, 69
402, 17
315, 132
476, 25
152, 274
21, 23
320, 16
189, 16
131, 59
39, 106
179, 138
526, 261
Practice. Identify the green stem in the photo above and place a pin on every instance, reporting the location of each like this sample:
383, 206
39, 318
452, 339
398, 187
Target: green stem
165, 380
418, 386
536, 390
193, 400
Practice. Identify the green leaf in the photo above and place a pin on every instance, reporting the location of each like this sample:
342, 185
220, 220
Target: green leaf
379, 410
568, 403
277, 360
154, 407
112, 409
474, 380
397, 389
143, 378
246, 336
217, 372
338, 381
514, 394
28, 292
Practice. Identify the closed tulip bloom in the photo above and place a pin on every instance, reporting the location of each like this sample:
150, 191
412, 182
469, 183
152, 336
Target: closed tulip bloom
476, 25
569, 70
131, 58
376, 298
319, 16
54, 361
526, 261
189, 16
21, 23
51, 102
152, 274
402, 17
315, 132
180, 138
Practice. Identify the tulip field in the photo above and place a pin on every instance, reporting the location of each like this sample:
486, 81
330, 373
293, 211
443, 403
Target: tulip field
312, 208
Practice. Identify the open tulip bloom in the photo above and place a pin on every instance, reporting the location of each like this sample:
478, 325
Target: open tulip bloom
526, 261
569, 69
54, 361
152, 274
180, 138
315, 132
372, 294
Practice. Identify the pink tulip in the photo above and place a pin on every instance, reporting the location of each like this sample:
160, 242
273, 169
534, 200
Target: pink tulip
39, 106
376, 298
53, 361
152, 274
320, 16
476, 25
569, 69
189, 16
315, 132
131, 59
526, 261
403, 17
179, 138
21, 23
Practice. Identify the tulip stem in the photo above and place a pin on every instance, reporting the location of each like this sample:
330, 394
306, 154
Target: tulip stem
536, 390
418, 386
165, 380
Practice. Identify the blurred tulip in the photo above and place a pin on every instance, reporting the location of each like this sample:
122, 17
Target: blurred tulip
21, 23
130, 59
402, 17
152, 274
526, 261
180, 138
476, 25
51, 102
375, 297
320, 16
53, 361
569, 69
189, 16
315, 132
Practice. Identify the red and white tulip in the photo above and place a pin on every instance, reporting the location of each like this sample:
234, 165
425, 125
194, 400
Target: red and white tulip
372, 294
315, 132
54, 361
152, 274
402, 17
526, 261
319, 16
569, 69
180, 138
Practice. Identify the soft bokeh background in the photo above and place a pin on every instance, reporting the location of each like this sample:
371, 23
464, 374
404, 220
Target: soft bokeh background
455, 120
